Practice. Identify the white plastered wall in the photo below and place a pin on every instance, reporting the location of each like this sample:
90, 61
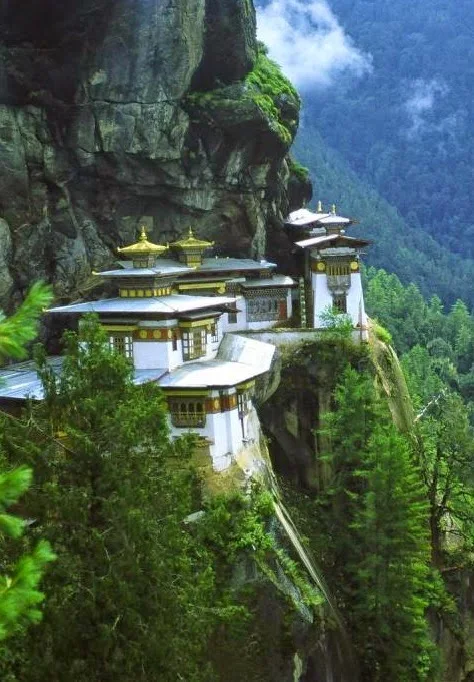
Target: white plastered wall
322, 298
355, 303
157, 354
241, 323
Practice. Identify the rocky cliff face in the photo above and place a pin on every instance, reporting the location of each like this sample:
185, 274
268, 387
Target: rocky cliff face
117, 112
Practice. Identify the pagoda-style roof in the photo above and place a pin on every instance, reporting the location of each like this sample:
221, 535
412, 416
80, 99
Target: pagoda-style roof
191, 242
163, 305
333, 240
142, 247
20, 382
161, 268
238, 359
303, 217
328, 219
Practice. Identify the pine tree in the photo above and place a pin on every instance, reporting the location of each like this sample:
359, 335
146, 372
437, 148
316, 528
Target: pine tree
19, 594
377, 521
390, 561
131, 596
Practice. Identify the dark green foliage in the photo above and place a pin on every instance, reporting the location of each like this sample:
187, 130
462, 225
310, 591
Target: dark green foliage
19, 593
139, 591
16, 331
420, 160
269, 89
398, 245
301, 172
129, 595
370, 528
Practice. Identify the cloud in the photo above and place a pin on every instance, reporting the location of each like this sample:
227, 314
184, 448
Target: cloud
420, 104
308, 42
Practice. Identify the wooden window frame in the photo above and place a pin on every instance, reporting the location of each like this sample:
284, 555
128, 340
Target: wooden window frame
188, 412
339, 302
263, 309
194, 343
122, 344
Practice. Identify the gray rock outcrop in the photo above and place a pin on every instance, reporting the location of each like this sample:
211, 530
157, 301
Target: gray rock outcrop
99, 132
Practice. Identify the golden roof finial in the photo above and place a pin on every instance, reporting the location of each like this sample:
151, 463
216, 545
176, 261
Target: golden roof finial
142, 247
334, 209
320, 207
191, 242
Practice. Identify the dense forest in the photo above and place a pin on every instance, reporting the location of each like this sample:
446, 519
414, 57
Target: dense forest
396, 246
393, 146
405, 127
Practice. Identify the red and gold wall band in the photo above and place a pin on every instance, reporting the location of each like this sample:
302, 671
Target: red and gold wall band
321, 268
144, 293
161, 334
222, 403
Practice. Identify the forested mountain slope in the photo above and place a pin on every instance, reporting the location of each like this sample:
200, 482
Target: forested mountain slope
397, 246
405, 127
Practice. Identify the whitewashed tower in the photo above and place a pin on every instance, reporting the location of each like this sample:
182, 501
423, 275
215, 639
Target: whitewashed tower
332, 279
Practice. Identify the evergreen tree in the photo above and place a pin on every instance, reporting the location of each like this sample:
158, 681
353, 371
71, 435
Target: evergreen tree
19, 593
377, 520
132, 593
390, 562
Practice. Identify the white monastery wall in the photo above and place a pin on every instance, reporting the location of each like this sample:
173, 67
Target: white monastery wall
321, 296
355, 299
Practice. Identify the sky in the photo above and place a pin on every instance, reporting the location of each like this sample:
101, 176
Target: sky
305, 38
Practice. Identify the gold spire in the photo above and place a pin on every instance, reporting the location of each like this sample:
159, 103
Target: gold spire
142, 247
190, 249
320, 207
334, 209
191, 242
143, 253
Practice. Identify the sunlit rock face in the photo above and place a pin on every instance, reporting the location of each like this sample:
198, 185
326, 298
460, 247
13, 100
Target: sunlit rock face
98, 133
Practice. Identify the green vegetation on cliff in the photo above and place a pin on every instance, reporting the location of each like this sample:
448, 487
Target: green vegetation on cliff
143, 588
265, 87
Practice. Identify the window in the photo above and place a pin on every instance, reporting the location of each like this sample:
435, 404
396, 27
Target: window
174, 340
340, 303
338, 268
121, 343
214, 333
262, 309
232, 316
244, 403
187, 413
194, 343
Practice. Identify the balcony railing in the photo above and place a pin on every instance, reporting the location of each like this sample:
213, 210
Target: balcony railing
195, 420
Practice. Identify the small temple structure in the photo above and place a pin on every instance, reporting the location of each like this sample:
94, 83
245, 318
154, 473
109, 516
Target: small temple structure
174, 308
330, 268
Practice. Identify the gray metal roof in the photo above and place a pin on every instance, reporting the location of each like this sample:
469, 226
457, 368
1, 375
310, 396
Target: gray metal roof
239, 359
163, 267
333, 219
329, 238
166, 305
168, 266
226, 264
304, 217
275, 281
21, 381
